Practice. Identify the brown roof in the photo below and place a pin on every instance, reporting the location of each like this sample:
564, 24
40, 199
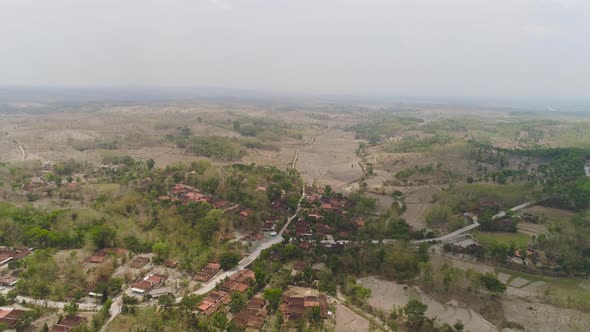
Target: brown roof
139, 262
143, 285
68, 323
98, 257
299, 266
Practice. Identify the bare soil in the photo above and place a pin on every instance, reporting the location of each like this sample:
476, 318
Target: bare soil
349, 321
330, 160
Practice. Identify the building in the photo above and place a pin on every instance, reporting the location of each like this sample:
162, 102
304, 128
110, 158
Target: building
9, 254
67, 323
10, 317
239, 281
207, 272
293, 308
139, 262
213, 301
149, 282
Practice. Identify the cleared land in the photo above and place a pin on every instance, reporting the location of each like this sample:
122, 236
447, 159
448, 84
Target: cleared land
387, 294
349, 321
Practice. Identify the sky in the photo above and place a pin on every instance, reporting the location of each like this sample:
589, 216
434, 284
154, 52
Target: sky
459, 48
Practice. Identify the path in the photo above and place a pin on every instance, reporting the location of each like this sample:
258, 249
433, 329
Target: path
114, 310
22, 151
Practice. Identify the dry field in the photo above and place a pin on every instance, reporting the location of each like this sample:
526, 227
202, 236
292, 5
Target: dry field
330, 159
349, 321
387, 294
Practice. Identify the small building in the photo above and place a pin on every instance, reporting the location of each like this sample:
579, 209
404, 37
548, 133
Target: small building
68, 323
9, 281
149, 282
10, 317
213, 301
207, 272
239, 281
139, 262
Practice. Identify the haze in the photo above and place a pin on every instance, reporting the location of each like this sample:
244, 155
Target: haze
405, 48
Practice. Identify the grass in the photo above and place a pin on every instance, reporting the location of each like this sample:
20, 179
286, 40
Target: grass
518, 239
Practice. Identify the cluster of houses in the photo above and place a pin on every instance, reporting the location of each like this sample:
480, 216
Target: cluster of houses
185, 194
294, 307
10, 317
213, 302
253, 316
207, 272
238, 282
99, 256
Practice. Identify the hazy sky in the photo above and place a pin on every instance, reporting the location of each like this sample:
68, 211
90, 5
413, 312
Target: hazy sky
406, 48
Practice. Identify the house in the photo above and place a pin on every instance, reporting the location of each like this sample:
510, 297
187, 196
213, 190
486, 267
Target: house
360, 222
213, 301
171, 264
305, 246
326, 206
67, 323
9, 254
269, 227
299, 266
8, 281
148, 283
10, 317
302, 228
207, 272
245, 213
139, 262
294, 307
239, 281
97, 257
253, 316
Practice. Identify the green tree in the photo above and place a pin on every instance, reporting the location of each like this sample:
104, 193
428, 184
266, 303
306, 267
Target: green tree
150, 163
492, 284
416, 313
229, 259
273, 296
161, 250
71, 308
238, 302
